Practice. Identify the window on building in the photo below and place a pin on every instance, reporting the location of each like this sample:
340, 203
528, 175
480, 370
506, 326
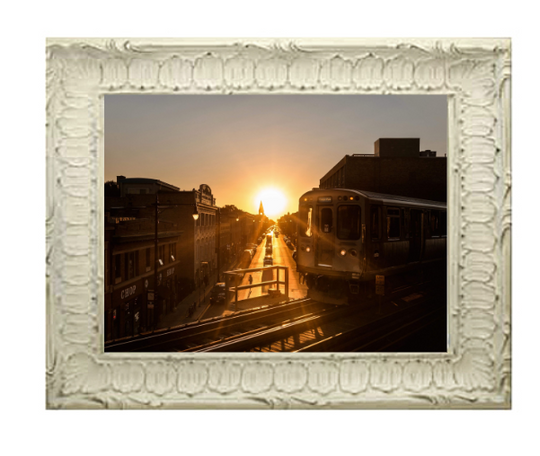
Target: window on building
128, 268
117, 268
136, 263
148, 260
131, 265
162, 259
393, 224
172, 252
349, 222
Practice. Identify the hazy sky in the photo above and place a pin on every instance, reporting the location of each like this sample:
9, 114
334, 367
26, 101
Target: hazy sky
242, 144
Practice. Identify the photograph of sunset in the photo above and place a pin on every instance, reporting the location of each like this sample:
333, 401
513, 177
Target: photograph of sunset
228, 216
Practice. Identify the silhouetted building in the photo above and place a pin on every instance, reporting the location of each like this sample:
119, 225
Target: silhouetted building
397, 167
130, 246
187, 251
142, 186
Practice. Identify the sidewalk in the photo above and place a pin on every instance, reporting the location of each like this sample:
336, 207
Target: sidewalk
180, 315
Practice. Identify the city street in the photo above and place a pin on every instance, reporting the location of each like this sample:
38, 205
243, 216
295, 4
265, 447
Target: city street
282, 256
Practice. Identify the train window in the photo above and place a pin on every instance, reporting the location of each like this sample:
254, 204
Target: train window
374, 222
306, 217
348, 222
326, 220
393, 227
405, 223
434, 223
443, 222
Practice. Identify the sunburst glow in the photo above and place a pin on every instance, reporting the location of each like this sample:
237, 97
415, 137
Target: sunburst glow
274, 201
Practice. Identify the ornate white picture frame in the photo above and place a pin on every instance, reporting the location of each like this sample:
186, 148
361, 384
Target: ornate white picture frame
476, 370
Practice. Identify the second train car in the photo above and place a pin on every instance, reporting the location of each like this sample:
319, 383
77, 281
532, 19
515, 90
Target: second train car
347, 239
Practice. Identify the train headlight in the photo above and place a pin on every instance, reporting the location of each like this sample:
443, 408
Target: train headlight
308, 249
343, 252
353, 252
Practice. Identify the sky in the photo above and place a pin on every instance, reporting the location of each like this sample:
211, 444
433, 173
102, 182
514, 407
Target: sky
245, 145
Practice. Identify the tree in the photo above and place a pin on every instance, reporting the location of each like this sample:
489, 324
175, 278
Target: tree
230, 210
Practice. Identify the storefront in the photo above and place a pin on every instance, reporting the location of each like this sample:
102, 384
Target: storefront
125, 311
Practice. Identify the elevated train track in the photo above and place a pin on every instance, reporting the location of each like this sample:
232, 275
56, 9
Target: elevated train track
185, 337
308, 326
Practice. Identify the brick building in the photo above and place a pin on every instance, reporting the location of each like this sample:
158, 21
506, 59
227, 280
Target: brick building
397, 167
187, 250
130, 259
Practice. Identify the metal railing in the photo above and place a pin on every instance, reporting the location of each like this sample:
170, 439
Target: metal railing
233, 275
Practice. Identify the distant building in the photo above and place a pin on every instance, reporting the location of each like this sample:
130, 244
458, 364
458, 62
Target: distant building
397, 167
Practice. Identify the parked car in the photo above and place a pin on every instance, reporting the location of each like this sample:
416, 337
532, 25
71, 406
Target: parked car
218, 294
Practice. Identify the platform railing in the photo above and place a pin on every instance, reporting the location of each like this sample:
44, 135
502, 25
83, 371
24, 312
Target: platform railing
233, 275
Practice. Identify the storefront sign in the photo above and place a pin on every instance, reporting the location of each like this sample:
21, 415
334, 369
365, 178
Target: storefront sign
127, 292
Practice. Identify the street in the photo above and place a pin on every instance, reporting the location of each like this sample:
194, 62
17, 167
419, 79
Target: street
282, 256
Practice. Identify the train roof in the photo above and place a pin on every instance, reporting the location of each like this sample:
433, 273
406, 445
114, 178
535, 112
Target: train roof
384, 198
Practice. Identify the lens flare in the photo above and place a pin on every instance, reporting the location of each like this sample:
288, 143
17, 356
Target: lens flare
273, 200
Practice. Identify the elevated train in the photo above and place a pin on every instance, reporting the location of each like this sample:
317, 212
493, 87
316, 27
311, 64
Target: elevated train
346, 238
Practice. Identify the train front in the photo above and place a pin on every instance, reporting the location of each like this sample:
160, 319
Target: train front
330, 254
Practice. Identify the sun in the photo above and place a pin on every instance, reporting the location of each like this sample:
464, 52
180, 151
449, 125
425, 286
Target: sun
273, 200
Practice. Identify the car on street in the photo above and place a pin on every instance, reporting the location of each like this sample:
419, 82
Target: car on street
218, 294
268, 261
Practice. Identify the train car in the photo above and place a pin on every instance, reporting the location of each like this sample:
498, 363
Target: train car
348, 239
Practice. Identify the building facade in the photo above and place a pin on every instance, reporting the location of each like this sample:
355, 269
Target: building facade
397, 167
156, 252
140, 263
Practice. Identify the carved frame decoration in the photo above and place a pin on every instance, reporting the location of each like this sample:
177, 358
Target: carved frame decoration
476, 370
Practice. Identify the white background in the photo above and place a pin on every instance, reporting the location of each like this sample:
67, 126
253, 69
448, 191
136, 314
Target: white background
28, 427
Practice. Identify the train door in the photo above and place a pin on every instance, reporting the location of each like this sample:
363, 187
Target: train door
375, 238
415, 232
325, 236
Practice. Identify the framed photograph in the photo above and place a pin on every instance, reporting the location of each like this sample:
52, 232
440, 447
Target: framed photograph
100, 297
